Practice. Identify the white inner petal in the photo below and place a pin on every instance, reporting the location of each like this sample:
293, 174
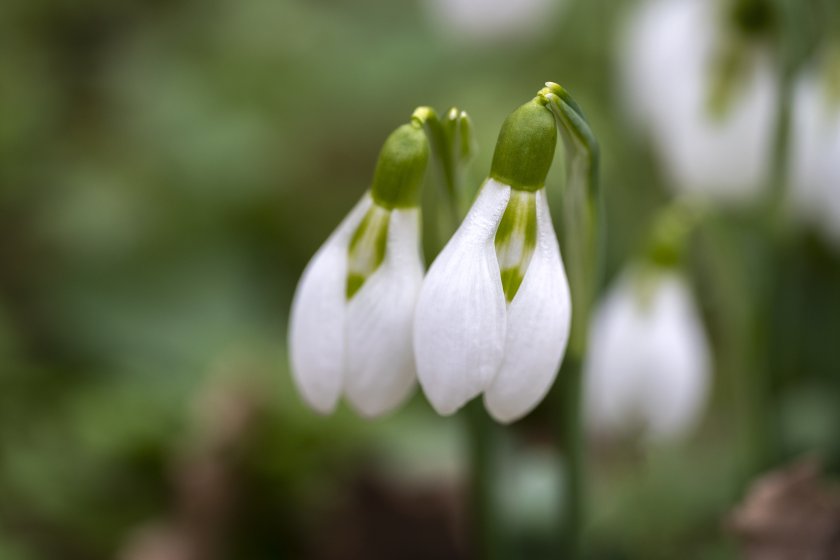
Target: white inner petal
538, 322
367, 247
380, 358
516, 239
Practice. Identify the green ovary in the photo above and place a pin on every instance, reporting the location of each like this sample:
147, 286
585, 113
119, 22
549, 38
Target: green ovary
367, 248
516, 239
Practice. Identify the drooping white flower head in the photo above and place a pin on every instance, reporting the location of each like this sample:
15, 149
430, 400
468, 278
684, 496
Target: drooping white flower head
648, 362
815, 165
712, 131
494, 312
493, 20
350, 324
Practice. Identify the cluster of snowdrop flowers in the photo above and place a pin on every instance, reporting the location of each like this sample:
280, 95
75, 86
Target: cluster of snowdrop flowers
350, 323
493, 314
712, 129
648, 366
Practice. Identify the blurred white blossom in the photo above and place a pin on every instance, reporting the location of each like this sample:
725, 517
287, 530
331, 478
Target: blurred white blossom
670, 60
648, 364
815, 145
493, 20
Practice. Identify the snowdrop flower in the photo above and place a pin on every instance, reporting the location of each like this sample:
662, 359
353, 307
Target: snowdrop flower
494, 312
648, 362
493, 20
815, 167
718, 147
350, 324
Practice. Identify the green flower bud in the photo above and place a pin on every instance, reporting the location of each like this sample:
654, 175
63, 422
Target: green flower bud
525, 148
367, 248
401, 167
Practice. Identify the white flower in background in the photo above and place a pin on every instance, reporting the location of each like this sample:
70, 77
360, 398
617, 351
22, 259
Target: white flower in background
815, 145
493, 20
494, 312
648, 363
671, 64
350, 324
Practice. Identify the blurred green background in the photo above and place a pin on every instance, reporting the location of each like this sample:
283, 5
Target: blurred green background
167, 168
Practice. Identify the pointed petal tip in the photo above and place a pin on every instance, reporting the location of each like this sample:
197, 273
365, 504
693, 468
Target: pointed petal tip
370, 411
370, 406
444, 398
501, 414
320, 405
445, 409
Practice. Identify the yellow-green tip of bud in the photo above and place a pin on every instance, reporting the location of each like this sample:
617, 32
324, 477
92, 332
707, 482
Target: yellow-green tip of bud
401, 167
525, 148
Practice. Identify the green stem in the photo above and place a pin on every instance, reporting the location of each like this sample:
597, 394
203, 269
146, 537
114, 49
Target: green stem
570, 429
582, 241
484, 526
764, 400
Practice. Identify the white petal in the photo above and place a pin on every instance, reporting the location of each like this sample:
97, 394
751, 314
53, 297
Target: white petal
459, 328
380, 358
538, 322
316, 323
494, 21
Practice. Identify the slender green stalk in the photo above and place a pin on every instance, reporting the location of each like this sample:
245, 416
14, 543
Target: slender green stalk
776, 196
581, 243
570, 430
484, 526
762, 404
734, 280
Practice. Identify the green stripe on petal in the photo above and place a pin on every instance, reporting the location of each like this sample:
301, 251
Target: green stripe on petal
516, 239
367, 248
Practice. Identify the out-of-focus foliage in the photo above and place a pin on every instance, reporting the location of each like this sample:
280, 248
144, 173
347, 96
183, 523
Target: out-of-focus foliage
167, 169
